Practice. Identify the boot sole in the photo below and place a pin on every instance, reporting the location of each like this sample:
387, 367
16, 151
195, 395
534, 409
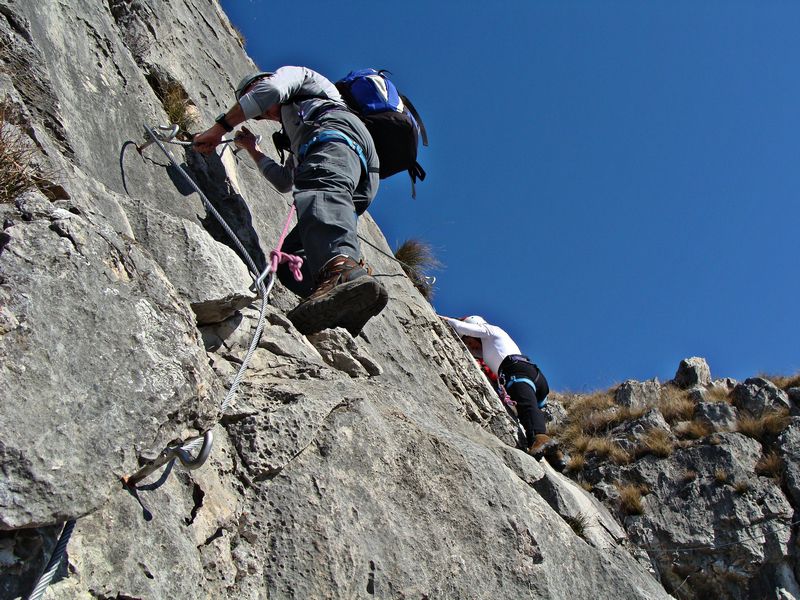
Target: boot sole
351, 302
354, 325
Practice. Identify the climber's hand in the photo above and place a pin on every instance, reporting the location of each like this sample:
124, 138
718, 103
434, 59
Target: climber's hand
246, 139
207, 141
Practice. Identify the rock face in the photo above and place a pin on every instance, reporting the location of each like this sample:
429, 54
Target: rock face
381, 466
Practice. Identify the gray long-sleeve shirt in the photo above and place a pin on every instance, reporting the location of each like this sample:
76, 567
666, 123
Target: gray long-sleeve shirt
318, 105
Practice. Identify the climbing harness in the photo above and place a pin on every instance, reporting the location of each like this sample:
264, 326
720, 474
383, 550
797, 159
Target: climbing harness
514, 379
503, 393
332, 135
183, 451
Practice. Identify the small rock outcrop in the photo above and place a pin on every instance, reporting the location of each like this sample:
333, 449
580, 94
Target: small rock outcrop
702, 476
692, 372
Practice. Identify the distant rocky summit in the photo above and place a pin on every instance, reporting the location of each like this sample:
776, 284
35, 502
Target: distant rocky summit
377, 467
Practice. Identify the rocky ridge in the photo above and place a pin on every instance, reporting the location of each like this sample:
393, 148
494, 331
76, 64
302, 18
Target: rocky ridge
381, 466
702, 474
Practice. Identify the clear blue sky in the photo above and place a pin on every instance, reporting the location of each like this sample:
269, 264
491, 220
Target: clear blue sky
615, 183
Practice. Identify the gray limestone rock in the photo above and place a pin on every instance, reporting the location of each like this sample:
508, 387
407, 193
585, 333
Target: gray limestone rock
789, 448
638, 394
340, 351
209, 275
757, 395
382, 466
692, 371
707, 496
93, 333
720, 416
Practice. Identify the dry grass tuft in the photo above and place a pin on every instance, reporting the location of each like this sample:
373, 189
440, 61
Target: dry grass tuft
579, 524
689, 475
693, 430
630, 499
417, 259
605, 447
239, 35
17, 173
768, 424
179, 108
657, 442
741, 487
589, 419
576, 463
718, 394
770, 465
675, 404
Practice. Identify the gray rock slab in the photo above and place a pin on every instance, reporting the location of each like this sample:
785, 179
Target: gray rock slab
99, 358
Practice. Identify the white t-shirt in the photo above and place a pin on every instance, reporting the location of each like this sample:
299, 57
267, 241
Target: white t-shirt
496, 343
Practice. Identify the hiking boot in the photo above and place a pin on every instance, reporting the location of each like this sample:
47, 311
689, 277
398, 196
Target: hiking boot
545, 446
541, 443
347, 296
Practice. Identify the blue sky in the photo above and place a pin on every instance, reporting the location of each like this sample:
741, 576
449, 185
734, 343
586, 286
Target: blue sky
614, 183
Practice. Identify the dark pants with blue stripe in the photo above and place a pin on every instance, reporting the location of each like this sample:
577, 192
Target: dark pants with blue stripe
530, 415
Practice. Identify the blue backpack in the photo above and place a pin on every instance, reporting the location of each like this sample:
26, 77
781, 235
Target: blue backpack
391, 119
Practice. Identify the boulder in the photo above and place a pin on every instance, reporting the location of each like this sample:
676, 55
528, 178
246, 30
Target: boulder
757, 395
691, 372
638, 394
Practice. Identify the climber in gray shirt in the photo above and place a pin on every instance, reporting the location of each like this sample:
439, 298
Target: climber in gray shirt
333, 172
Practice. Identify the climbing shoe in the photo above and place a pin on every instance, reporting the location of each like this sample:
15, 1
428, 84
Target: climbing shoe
347, 296
545, 446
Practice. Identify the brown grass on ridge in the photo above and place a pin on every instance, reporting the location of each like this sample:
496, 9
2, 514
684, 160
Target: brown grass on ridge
630, 499
693, 430
783, 381
721, 476
770, 423
179, 108
770, 465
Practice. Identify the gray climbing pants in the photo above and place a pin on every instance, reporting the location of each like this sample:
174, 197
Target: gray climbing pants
331, 189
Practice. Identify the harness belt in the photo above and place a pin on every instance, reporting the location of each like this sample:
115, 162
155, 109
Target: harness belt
514, 379
332, 135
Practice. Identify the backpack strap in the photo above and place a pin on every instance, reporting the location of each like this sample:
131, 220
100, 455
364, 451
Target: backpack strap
416, 172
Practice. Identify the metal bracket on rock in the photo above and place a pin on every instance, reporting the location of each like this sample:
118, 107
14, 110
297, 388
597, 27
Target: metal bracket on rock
181, 452
167, 134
